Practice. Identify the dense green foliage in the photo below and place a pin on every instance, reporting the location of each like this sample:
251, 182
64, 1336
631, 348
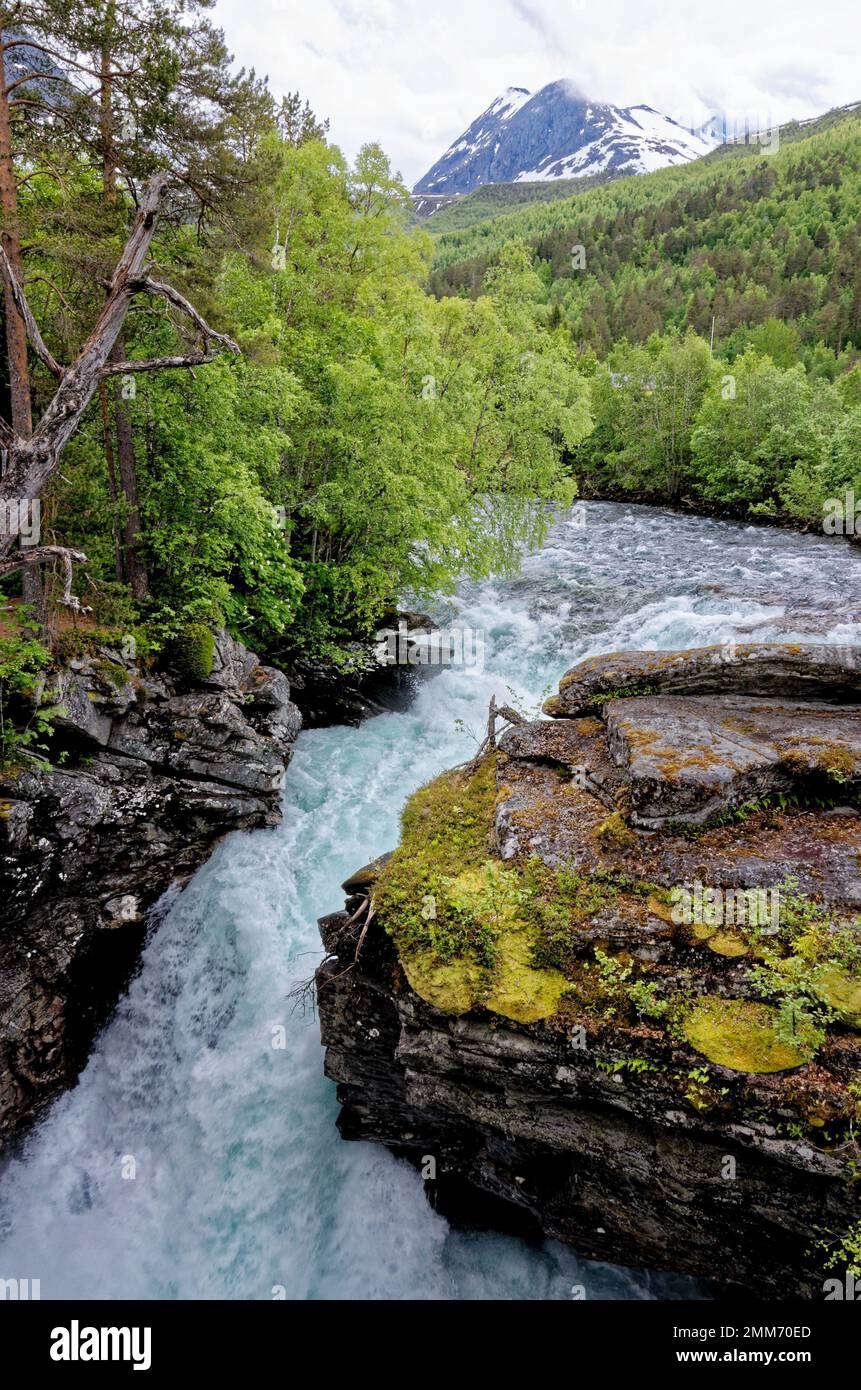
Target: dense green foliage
26, 711
369, 441
405, 406
760, 251
495, 199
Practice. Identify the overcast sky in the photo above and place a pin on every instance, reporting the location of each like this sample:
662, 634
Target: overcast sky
413, 74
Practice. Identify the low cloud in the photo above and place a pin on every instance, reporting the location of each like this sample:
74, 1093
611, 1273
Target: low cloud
413, 75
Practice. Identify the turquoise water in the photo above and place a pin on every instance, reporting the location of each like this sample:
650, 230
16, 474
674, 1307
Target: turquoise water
241, 1184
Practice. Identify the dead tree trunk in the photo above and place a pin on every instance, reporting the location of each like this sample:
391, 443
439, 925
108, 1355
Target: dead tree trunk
31, 462
130, 526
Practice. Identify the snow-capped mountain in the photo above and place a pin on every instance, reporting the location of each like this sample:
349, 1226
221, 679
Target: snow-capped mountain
557, 134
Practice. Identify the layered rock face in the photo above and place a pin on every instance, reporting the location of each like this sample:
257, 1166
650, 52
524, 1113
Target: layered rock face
611, 981
157, 771
374, 675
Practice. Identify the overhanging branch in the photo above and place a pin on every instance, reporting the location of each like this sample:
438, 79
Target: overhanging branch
19, 299
155, 287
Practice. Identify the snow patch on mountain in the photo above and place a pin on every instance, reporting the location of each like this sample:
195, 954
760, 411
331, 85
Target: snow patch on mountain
557, 133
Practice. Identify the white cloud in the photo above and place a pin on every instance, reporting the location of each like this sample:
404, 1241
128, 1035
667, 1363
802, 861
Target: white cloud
413, 74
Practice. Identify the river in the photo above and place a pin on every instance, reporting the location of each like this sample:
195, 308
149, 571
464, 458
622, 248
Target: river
194, 1159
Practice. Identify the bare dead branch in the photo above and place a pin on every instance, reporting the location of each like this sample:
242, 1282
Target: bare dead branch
488, 743
39, 555
10, 280
162, 291
304, 994
154, 364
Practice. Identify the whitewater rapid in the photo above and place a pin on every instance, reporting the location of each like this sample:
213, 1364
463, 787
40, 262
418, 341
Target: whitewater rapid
241, 1188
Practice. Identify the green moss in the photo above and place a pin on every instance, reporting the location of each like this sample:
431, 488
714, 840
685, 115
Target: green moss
193, 652
623, 692
842, 992
740, 1035
113, 674
614, 831
459, 919
728, 943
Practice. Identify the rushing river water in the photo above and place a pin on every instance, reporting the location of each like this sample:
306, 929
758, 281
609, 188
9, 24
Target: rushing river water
241, 1183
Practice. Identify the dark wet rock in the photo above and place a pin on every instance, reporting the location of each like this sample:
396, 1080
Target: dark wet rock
157, 773
535, 1117
370, 678
366, 877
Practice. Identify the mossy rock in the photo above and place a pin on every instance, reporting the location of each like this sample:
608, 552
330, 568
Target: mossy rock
661, 909
740, 1035
193, 652
727, 943
513, 987
518, 991
451, 985
842, 992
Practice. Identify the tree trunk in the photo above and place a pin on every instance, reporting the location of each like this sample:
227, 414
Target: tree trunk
107, 438
32, 590
134, 564
16, 333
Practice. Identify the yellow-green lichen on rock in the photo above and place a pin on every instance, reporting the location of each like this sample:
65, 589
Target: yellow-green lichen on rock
456, 914
842, 992
510, 985
740, 1035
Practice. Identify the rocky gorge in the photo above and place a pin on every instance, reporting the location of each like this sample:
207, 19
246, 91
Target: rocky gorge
608, 988
149, 771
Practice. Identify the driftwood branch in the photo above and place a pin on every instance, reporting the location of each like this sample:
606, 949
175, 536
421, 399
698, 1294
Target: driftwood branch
41, 554
488, 743
19, 299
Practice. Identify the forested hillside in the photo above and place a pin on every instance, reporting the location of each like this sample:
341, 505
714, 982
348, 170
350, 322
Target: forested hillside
496, 199
760, 252
740, 239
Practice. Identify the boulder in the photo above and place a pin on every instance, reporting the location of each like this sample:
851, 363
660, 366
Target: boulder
535, 1003
769, 669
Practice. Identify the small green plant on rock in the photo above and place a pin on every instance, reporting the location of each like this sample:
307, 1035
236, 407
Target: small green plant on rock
193, 652
801, 1013
26, 716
